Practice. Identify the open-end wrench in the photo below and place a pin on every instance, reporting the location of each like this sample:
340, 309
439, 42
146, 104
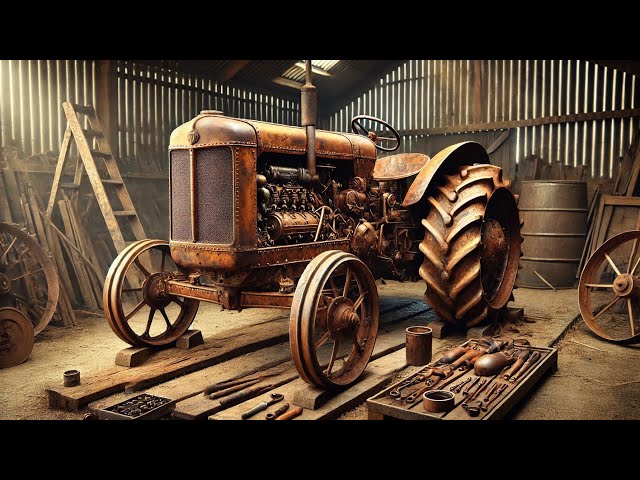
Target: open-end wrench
278, 412
468, 388
407, 383
429, 384
275, 398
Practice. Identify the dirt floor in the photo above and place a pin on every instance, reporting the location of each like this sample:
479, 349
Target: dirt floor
588, 385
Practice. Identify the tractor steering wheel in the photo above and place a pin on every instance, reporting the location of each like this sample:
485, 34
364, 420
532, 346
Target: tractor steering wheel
357, 127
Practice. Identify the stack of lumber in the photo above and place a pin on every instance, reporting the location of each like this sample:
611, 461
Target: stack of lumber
65, 238
617, 209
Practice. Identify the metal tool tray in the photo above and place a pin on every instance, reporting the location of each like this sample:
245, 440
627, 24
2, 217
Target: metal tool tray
150, 407
382, 405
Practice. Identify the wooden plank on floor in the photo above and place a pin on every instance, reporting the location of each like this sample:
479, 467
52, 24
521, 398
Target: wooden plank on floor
391, 338
195, 383
200, 407
374, 379
168, 364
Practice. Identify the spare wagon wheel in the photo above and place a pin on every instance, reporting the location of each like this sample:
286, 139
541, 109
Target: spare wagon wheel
141, 313
356, 126
16, 337
28, 279
471, 246
334, 320
609, 289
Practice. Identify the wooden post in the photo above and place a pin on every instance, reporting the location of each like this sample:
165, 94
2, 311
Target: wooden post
477, 100
106, 98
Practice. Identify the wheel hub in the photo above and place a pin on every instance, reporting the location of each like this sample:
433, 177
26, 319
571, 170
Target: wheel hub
154, 288
341, 315
5, 284
495, 245
626, 285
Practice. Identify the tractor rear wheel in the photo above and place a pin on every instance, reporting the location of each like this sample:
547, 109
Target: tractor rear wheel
471, 245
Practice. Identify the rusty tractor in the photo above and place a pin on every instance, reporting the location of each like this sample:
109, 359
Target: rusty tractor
267, 215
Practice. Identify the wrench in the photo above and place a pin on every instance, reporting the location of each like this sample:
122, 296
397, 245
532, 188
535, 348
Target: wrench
275, 398
429, 384
407, 383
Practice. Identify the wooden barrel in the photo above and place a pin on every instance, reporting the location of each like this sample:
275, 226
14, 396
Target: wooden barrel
555, 229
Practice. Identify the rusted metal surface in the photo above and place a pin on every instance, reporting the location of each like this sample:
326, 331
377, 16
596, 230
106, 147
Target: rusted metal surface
335, 303
612, 274
357, 127
309, 117
437, 401
28, 279
555, 229
16, 337
71, 378
131, 310
418, 345
449, 159
216, 129
254, 225
397, 167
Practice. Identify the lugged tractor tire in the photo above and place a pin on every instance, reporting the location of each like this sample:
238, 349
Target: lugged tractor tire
462, 235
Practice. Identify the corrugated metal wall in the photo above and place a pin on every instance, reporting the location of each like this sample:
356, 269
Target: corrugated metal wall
425, 94
153, 101
31, 96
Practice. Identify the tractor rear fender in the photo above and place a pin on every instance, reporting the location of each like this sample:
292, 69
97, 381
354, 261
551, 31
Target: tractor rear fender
446, 160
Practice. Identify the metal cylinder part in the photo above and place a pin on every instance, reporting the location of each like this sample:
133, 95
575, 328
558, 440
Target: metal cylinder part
292, 223
308, 116
555, 228
418, 345
71, 378
436, 401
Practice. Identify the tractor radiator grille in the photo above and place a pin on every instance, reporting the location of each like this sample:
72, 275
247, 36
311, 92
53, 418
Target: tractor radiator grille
215, 202
215, 196
180, 196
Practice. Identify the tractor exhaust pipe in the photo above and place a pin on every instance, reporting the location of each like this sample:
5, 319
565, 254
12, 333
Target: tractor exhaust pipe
309, 113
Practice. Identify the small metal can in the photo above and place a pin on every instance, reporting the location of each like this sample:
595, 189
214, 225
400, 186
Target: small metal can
437, 401
71, 378
418, 345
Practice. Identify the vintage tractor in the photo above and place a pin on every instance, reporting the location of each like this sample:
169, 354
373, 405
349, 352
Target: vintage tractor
266, 215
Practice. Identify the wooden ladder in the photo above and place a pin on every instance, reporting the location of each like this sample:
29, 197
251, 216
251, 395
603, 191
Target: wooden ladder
87, 160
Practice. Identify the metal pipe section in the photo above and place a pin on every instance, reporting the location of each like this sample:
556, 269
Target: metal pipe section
309, 114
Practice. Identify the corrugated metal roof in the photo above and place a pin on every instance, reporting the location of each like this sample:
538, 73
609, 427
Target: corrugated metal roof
348, 77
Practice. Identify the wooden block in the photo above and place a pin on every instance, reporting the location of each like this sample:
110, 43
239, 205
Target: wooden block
133, 356
190, 339
440, 329
513, 315
481, 331
311, 397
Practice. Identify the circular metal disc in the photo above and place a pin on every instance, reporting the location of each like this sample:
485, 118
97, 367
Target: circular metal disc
52, 283
16, 337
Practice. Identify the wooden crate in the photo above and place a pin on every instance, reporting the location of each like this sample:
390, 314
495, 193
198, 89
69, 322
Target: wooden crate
382, 405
